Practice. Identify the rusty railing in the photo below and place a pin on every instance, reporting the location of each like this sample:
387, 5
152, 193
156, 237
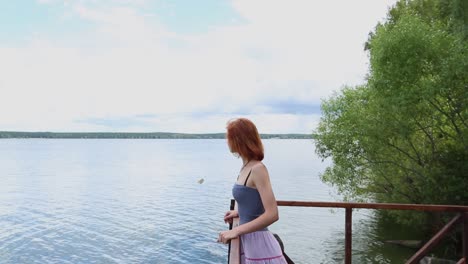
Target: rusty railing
460, 218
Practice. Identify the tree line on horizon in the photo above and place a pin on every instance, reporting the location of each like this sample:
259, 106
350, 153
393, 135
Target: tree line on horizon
125, 135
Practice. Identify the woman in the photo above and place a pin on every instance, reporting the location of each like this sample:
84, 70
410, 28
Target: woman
257, 208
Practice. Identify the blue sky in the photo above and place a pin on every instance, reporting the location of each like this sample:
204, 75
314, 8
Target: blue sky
182, 66
19, 19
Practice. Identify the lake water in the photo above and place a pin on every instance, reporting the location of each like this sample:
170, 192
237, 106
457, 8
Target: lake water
139, 201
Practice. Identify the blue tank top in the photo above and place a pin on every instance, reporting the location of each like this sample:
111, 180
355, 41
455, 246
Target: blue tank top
249, 202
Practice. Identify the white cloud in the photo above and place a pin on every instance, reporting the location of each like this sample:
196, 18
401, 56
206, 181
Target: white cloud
131, 64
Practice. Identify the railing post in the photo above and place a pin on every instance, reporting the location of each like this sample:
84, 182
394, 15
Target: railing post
234, 244
231, 207
465, 237
348, 234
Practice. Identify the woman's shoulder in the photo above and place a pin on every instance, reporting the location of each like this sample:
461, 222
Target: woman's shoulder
258, 165
259, 169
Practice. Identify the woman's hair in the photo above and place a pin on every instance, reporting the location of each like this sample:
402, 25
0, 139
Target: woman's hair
243, 138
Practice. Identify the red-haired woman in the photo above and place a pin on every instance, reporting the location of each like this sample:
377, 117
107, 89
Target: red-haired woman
257, 208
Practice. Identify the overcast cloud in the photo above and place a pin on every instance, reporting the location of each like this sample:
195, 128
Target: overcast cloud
177, 66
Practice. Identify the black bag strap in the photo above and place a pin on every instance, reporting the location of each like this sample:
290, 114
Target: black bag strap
288, 260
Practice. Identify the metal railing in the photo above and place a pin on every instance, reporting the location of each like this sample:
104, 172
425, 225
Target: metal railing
460, 218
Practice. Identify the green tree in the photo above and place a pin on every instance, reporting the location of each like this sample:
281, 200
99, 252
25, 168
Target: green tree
403, 135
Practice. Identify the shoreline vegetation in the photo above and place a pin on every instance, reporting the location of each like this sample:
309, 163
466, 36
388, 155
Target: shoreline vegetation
124, 135
402, 135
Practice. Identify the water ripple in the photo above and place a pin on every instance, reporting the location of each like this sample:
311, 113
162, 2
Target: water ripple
131, 201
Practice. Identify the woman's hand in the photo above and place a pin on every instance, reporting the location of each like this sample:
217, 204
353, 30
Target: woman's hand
225, 236
230, 215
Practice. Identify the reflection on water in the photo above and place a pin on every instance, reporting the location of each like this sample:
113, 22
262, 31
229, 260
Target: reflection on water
139, 201
370, 236
316, 235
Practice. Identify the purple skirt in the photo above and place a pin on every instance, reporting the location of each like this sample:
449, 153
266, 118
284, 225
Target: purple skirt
260, 247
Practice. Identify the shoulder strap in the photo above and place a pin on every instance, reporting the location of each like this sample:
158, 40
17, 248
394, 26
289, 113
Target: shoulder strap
246, 179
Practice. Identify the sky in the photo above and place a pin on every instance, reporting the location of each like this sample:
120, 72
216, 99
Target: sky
178, 65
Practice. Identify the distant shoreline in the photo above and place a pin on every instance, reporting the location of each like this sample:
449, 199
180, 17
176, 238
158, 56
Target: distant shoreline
152, 135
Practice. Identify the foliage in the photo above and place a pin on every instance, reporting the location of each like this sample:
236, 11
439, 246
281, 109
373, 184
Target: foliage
403, 135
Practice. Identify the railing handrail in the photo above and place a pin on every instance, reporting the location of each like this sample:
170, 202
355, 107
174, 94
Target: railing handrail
395, 206
461, 217
387, 206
